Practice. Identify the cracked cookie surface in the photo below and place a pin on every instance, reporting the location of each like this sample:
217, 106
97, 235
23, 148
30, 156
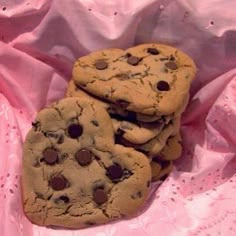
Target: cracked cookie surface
130, 128
73, 174
114, 109
151, 79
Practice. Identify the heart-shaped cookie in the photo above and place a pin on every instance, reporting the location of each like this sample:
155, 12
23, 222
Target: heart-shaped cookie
74, 175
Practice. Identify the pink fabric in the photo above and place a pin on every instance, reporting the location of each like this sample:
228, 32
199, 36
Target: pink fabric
39, 42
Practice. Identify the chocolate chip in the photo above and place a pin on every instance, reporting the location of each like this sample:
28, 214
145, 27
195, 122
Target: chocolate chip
163, 85
122, 103
101, 65
83, 157
65, 199
148, 183
132, 60
100, 196
153, 51
114, 172
171, 65
75, 130
58, 182
50, 156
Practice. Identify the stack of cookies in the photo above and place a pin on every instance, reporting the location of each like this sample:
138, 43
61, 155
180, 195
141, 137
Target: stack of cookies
90, 158
144, 89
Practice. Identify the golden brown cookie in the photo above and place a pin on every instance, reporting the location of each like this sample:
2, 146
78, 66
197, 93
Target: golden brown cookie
161, 169
73, 174
151, 79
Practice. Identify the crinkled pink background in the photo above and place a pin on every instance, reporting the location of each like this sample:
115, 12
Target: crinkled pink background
40, 39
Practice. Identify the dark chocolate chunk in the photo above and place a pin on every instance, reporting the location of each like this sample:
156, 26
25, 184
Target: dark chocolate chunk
100, 196
163, 85
83, 157
114, 172
58, 182
101, 65
50, 156
153, 51
75, 130
171, 65
132, 60
148, 183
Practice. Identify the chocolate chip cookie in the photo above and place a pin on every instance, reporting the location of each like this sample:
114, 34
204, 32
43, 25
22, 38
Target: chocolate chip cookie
172, 150
150, 79
115, 111
160, 169
73, 174
139, 132
156, 144
128, 127
162, 163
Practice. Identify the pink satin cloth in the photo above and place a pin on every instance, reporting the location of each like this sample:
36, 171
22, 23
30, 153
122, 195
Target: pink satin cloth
40, 40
